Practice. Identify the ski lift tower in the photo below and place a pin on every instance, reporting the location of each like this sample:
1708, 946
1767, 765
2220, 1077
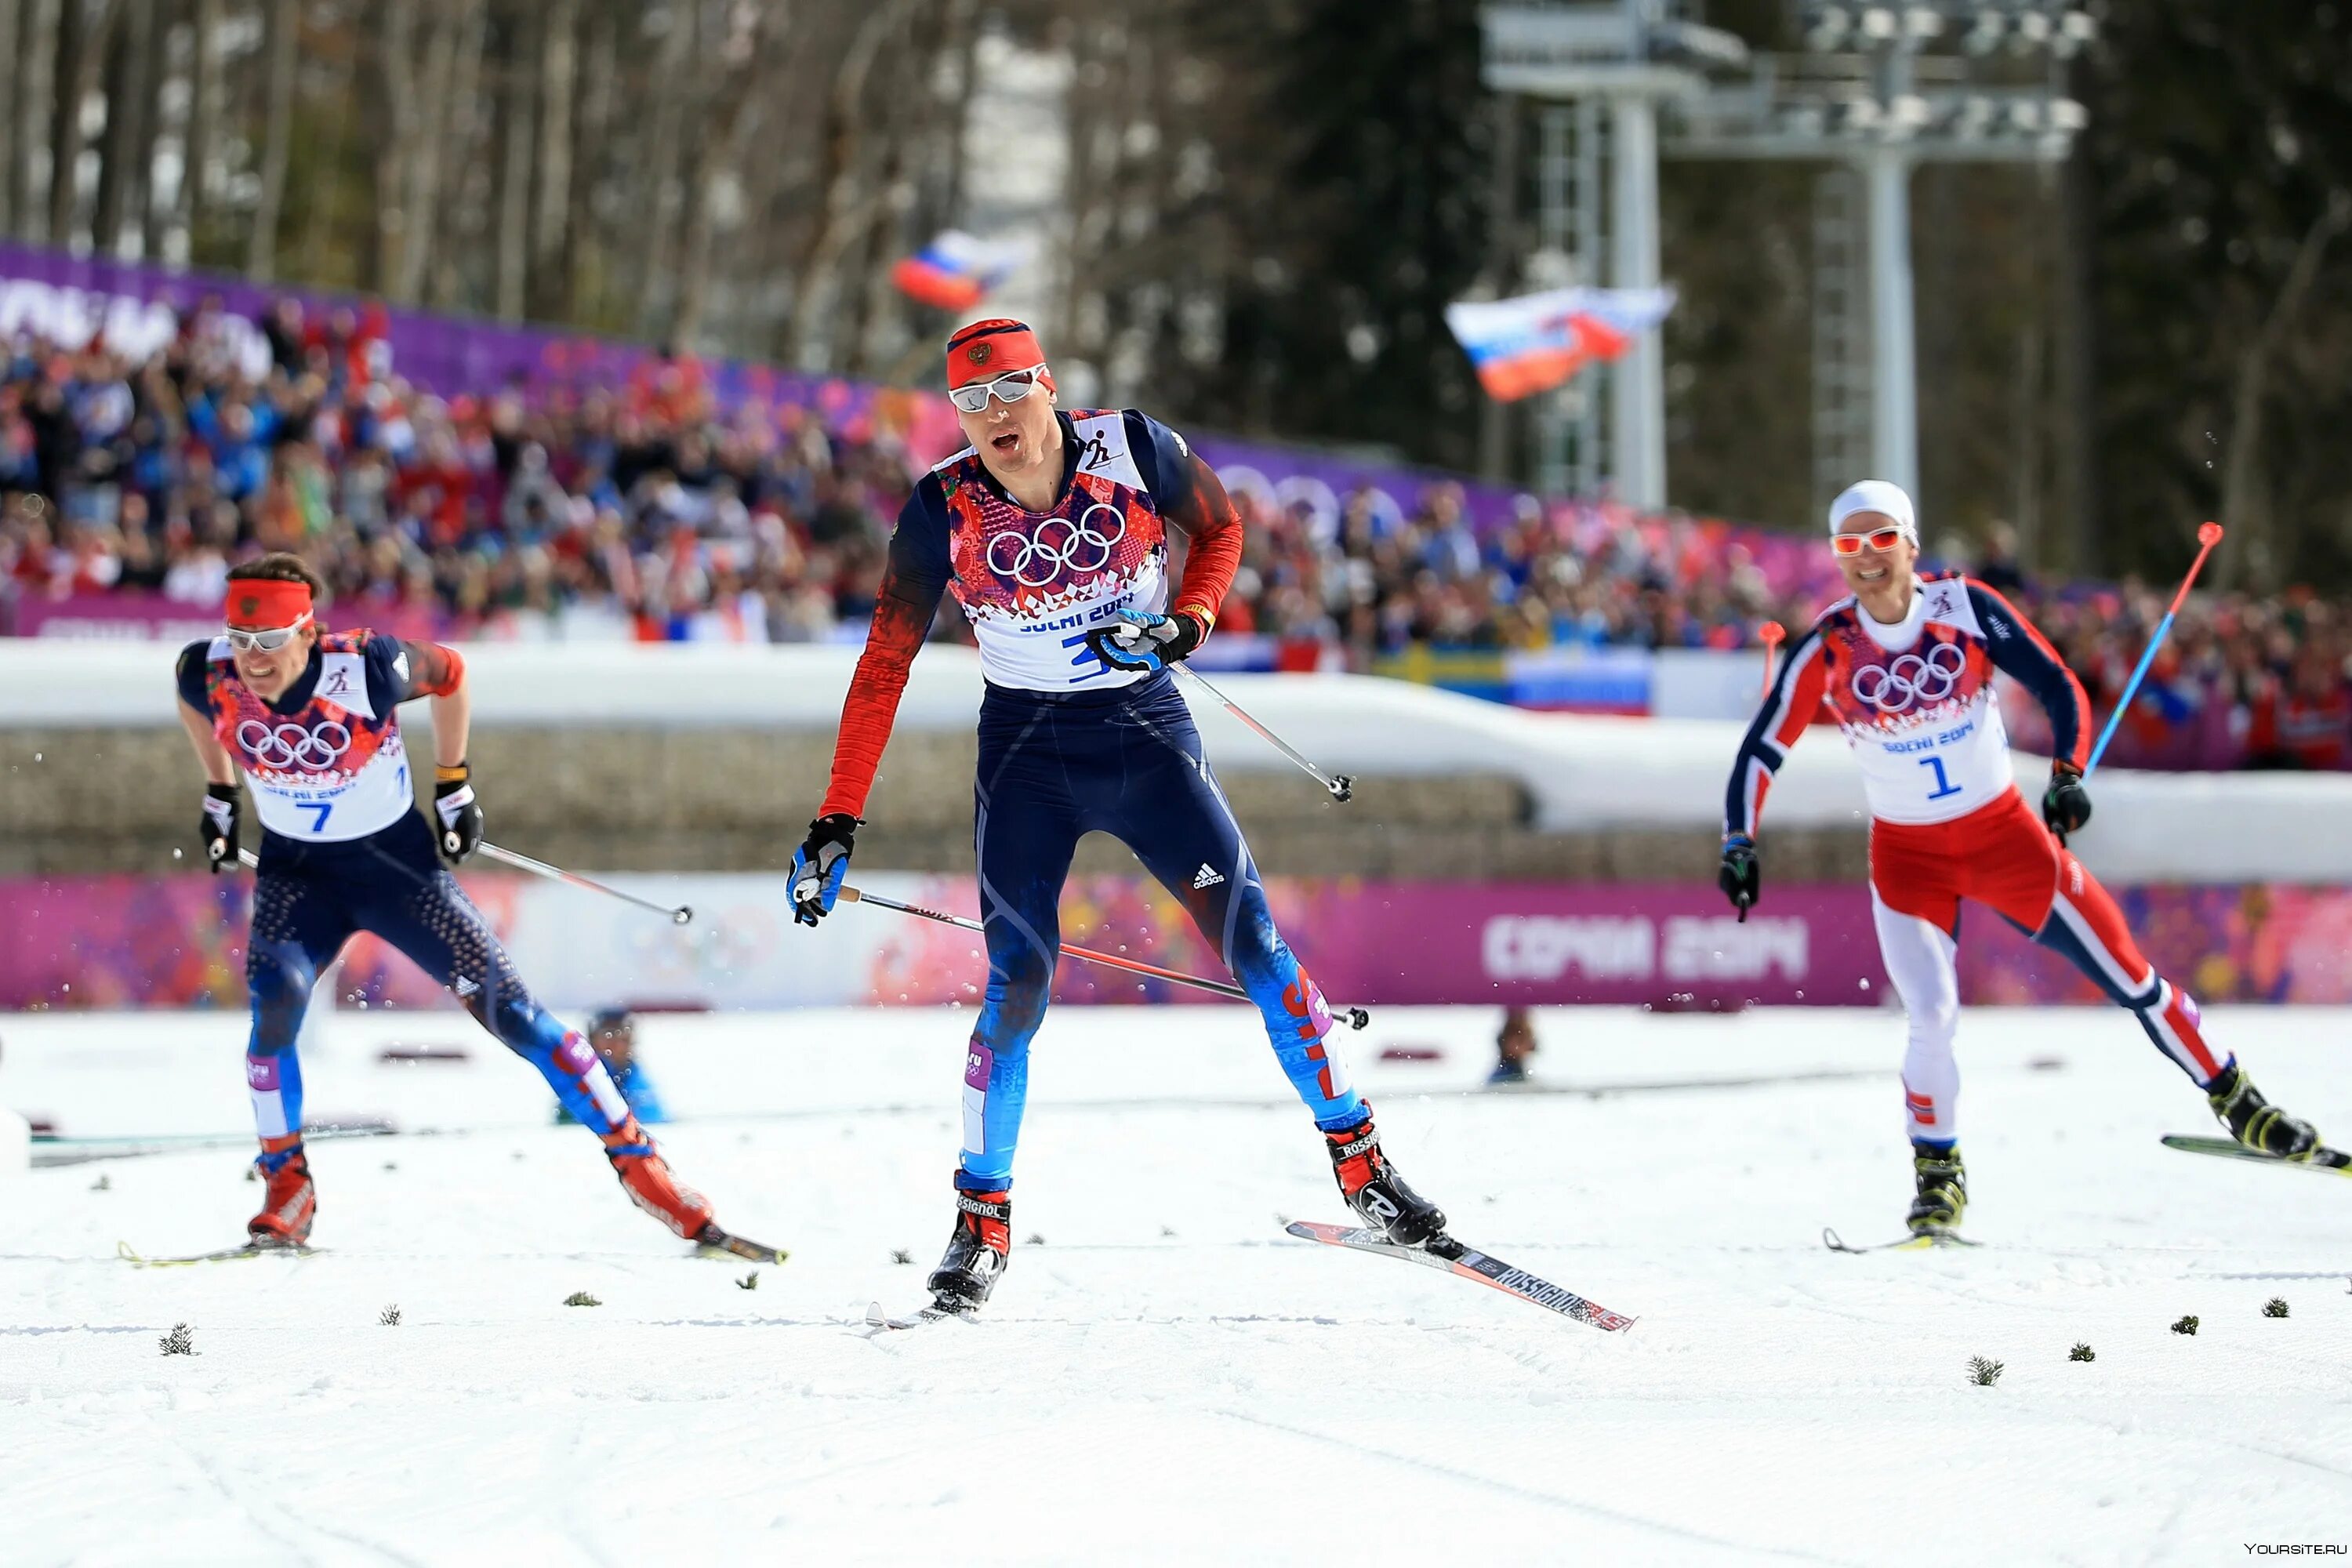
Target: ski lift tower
1601, 69
1880, 87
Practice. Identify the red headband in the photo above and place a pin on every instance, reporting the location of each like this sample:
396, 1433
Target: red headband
265, 603
986, 349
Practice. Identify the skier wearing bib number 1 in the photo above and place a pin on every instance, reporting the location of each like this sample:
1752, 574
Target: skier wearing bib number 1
1051, 531
310, 718
1907, 664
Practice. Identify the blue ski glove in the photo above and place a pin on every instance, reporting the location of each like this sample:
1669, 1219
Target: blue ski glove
819, 864
1140, 641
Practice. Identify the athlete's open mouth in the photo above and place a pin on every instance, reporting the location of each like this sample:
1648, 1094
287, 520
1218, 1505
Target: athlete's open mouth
1006, 442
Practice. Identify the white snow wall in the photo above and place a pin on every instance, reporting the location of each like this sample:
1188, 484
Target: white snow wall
1583, 773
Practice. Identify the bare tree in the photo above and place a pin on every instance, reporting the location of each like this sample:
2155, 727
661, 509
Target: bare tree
203, 135
2248, 499
848, 196
35, 35
583, 255
735, 118
518, 93
154, 69
126, 51
558, 71
281, 24
78, 28
460, 132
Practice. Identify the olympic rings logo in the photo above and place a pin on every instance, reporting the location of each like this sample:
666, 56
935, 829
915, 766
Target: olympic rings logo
292, 746
1087, 548
1893, 689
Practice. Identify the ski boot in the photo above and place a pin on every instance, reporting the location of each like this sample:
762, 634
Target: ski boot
978, 1253
1376, 1192
290, 1203
646, 1177
2255, 1122
1943, 1193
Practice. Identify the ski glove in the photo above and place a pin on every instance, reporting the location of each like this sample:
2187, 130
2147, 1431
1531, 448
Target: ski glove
2065, 805
820, 864
1740, 876
461, 819
219, 828
1140, 641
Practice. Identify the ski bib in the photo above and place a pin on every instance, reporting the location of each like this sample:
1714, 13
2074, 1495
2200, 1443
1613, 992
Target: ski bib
334, 769
1033, 585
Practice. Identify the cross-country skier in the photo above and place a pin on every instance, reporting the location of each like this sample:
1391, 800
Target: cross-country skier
1050, 530
310, 718
1907, 664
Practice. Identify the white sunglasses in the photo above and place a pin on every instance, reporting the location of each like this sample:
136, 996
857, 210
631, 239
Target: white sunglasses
268, 641
1011, 387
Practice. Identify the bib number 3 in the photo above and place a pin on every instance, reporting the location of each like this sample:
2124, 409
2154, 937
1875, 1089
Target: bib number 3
1944, 787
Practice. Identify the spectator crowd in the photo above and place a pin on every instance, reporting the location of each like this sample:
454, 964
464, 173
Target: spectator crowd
647, 509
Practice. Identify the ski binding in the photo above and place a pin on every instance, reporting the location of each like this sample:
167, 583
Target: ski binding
716, 1243
122, 1249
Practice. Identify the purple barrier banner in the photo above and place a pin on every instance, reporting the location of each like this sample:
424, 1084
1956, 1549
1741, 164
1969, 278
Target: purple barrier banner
126, 942
179, 940
136, 616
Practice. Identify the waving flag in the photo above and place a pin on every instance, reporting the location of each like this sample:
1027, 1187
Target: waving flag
1536, 342
956, 272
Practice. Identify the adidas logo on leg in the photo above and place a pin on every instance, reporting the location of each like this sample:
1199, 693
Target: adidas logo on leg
1205, 877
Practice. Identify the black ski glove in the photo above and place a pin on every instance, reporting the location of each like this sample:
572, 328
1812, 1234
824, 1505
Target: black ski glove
461, 819
2065, 805
1740, 876
219, 828
820, 864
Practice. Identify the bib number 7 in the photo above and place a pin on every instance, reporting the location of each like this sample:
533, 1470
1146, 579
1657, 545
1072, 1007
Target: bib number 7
319, 824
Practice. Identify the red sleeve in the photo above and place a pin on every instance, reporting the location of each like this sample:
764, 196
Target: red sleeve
1206, 514
434, 669
903, 611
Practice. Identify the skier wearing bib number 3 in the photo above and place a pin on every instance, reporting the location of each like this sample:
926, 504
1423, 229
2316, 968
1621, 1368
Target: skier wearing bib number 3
1050, 530
308, 718
1907, 664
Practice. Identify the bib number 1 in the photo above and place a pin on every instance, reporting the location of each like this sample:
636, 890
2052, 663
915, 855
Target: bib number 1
1944, 787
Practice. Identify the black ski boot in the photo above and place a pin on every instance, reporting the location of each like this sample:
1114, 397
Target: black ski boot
977, 1252
1943, 1194
2255, 1122
1375, 1191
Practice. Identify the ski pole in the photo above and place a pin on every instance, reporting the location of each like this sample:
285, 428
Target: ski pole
2209, 534
1769, 634
1341, 786
1356, 1016
680, 914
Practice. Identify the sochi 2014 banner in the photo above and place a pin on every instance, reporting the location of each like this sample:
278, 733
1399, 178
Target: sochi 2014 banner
179, 941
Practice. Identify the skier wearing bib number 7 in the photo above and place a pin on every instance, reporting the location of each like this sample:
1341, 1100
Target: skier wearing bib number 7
311, 719
1907, 664
1051, 531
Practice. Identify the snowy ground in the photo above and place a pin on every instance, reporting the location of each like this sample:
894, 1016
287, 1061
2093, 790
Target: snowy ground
1165, 1377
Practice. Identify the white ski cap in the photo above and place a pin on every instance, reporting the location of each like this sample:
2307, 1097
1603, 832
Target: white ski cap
1882, 496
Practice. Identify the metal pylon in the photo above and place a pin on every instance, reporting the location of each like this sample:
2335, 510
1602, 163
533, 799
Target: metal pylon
1571, 424
1841, 383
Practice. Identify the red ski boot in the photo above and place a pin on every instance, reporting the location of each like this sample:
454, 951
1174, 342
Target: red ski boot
646, 1177
290, 1202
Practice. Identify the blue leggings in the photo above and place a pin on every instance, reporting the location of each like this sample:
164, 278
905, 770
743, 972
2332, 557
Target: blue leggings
1128, 763
307, 901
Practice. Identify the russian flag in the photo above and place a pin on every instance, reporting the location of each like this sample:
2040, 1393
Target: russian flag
956, 272
1536, 342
